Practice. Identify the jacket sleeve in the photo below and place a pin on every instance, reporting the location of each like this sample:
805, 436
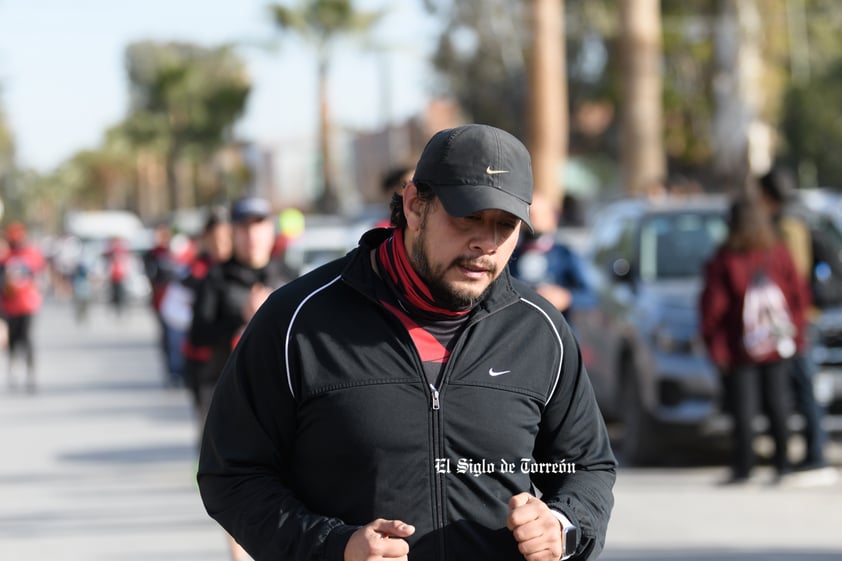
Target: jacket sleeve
796, 236
573, 433
714, 305
244, 475
580, 289
797, 292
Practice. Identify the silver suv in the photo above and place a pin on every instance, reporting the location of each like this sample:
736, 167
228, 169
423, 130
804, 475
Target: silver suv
641, 342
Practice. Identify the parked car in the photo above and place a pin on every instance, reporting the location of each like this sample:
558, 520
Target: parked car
827, 334
640, 341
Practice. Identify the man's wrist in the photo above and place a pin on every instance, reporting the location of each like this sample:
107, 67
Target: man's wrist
569, 535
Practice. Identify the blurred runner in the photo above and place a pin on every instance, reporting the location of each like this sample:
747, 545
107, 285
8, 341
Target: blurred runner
229, 295
117, 257
21, 298
215, 246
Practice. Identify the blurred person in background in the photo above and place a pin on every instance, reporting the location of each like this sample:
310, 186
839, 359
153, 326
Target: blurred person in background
117, 257
20, 266
791, 219
751, 248
161, 268
80, 284
553, 269
228, 296
214, 248
231, 291
393, 183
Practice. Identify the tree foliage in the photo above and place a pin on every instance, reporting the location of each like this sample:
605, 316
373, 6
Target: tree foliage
322, 23
809, 121
813, 128
7, 145
482, 45
481, 60
191, 93
184, 99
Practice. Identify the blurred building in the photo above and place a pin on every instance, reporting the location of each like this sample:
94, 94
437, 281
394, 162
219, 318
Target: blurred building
287, 171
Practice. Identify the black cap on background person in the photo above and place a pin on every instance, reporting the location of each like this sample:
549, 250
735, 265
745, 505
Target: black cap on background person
779, 185
250, 208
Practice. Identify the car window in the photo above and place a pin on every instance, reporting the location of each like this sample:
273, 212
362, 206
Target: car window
678, 245
614, 239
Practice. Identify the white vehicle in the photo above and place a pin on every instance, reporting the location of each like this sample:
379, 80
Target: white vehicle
322, 240
94, 230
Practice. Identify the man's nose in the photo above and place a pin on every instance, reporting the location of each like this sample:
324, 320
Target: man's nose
486, 237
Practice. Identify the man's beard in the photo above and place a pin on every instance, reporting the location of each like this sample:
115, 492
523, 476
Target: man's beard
445, 296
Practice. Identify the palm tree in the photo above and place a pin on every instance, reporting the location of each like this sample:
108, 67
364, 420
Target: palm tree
7, 155
548, 115
321, 23
644, 161
185, 100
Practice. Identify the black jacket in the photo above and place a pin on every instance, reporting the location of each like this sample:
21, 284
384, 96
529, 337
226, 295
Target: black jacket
323, 421
217, 309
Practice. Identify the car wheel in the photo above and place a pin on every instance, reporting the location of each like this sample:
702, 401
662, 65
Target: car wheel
639, 443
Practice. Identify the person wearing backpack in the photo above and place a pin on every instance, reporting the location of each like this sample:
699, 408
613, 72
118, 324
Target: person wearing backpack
792, 222
751, 285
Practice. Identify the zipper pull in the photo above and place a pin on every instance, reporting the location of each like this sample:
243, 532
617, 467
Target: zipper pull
435, 393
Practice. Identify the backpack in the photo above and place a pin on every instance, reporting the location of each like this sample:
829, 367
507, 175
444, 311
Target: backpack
768, 329
826, 273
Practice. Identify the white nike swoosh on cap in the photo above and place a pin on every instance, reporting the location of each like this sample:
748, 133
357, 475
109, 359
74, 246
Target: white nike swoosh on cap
490, 171
492, 372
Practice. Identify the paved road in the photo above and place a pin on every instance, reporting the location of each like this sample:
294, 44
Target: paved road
98, 465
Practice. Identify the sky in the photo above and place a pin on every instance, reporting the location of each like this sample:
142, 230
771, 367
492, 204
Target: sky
63, 81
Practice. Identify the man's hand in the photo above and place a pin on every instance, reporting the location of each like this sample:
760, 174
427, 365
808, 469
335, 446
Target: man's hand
379, 540
537, 531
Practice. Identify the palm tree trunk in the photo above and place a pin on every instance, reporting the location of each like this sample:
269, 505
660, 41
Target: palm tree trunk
643, 156
328, 201
737, 92
548, 121
172, 179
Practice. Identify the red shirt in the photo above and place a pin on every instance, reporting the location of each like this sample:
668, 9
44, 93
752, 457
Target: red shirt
20, 295
727, 277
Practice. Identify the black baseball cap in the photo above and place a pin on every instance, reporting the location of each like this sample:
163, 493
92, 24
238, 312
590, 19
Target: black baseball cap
779, 185
250, 208
477, 167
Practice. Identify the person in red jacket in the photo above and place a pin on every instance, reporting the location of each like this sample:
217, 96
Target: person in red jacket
21, 297
751, 246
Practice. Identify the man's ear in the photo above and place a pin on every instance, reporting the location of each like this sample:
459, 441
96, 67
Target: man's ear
413, 207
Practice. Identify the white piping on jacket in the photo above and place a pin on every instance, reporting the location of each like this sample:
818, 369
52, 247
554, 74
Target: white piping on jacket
289, 330
560, 345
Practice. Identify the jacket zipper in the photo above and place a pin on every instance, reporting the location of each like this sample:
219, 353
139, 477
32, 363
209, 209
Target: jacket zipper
438, 475
438, 447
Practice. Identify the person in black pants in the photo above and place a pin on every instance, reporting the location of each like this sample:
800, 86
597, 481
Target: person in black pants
750, 389
752, 246
779, 195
